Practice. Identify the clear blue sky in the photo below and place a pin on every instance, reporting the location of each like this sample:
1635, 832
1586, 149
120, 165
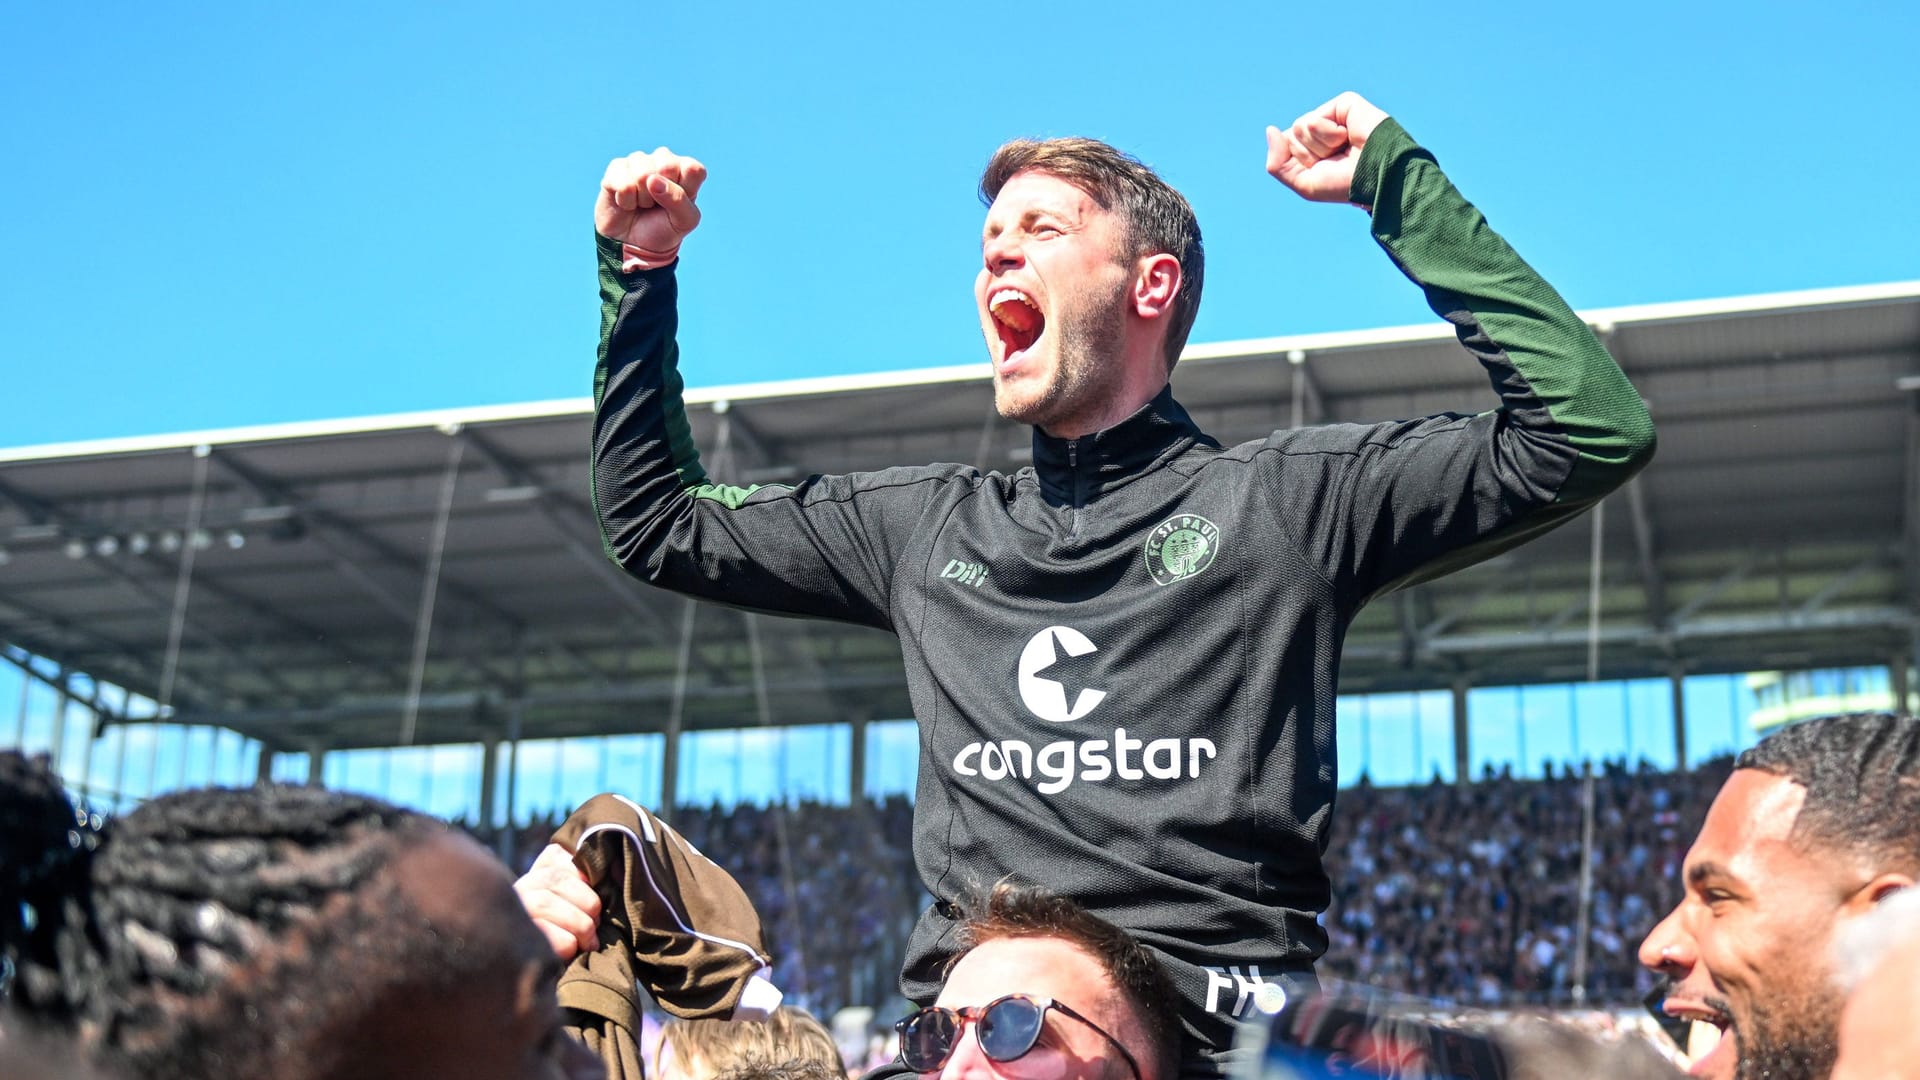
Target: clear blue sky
242, 214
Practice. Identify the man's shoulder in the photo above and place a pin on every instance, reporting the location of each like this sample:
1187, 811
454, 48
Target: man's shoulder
1318, 440
925, 485
895, 476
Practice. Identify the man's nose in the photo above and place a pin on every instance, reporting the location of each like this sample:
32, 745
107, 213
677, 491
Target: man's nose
968, 1061
1001, 253
1668, 949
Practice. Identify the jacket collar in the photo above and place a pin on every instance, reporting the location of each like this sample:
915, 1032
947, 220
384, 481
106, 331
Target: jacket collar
1076, 470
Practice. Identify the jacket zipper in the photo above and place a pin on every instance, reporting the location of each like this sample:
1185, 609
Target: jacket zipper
1073, 466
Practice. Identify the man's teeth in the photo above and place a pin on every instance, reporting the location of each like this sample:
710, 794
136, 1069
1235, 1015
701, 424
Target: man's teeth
1013, 307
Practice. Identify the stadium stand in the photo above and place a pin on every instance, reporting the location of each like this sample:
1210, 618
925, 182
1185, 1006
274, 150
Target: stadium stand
1469, 895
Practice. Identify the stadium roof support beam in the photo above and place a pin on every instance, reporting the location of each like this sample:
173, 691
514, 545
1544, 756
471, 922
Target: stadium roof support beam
1842, 580
44, 513
136, 665
1785, 622
1412, 645
1646, 551
1305, 400
1562, 617
1462, 757
24, 663
983, 452
619, 586
1677, 689
756, 444
1910, 511
1444, 623
1715, 591
323, 525
327, 528
467, 701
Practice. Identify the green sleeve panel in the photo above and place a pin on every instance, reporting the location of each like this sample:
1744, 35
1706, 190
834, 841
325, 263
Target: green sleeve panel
825, 547
1392, 504
685, 456
1470, 274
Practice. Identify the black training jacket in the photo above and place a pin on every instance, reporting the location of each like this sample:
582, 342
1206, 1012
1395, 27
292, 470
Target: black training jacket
1123, 659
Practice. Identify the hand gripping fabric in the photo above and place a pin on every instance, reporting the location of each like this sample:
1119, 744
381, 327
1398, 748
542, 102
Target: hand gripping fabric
671, 921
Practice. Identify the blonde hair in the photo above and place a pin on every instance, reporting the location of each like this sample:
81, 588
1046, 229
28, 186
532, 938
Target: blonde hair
707, 1048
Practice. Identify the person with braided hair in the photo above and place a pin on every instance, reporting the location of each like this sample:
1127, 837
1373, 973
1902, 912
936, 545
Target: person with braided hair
1814, 831
278, 931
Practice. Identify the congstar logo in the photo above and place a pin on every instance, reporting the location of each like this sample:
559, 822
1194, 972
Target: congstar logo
1055, 677
1053, 658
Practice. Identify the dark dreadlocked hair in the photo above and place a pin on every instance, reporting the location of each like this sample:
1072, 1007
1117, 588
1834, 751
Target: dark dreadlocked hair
217, 932
1862, 775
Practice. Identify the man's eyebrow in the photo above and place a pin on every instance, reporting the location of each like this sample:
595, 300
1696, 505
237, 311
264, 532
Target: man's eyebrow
1702, 871
992, 228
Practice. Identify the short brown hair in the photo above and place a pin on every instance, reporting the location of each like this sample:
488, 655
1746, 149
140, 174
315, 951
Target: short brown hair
789, 1037
1158, 218
1011, 910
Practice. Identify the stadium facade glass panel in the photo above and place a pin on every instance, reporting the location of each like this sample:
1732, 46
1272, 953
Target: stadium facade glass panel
442, 780
893, 758
762, 764
1392, 739
288, 769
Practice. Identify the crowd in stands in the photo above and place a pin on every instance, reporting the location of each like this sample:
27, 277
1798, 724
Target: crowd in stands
1471, 894
1464, 894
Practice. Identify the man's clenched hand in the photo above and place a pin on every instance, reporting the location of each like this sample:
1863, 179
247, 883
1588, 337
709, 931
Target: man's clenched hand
561, 903
1316, 156
647, 203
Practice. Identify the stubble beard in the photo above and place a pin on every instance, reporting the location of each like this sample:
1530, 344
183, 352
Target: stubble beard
1087, 368
1798, 1042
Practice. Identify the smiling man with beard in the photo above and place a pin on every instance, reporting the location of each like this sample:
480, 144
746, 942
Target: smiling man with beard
1122, 658
1818, 824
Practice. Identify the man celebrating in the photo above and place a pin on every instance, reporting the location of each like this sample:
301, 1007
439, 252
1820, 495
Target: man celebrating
1129, 698
1815, 827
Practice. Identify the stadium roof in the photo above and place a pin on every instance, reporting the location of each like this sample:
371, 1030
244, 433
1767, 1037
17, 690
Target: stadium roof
1777, 528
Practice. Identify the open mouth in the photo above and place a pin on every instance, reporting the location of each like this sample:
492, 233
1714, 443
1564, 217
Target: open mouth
1718, 1058
1018, 320
1716, 1051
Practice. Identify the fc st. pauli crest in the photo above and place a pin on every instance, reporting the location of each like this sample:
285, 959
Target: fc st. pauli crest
1180, 547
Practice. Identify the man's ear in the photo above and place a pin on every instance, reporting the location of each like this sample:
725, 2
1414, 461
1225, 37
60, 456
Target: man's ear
1881, 887
1156, 285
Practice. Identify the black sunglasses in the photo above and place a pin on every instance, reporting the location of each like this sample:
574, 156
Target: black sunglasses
1007, 1028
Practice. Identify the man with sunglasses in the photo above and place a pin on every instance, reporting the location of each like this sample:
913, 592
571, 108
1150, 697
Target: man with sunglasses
1815, 828
1043, 988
